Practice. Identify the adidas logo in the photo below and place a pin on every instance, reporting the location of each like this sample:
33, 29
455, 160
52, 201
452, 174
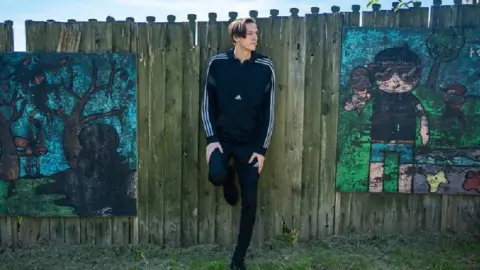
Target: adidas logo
238, 97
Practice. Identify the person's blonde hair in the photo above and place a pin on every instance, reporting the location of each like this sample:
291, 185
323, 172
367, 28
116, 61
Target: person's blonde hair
238, 28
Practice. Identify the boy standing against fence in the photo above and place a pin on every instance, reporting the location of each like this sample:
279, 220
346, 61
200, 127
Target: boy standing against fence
237, 115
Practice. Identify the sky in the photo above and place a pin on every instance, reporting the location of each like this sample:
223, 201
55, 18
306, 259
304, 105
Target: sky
19, 11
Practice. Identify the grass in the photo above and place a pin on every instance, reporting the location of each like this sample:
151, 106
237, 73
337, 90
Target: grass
26, 202
353, 252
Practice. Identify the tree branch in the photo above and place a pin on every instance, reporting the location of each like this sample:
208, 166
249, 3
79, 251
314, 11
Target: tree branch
60, 114
11, 103
111, 78
69, 87
95, 116
17, 113
94, 87
78, 109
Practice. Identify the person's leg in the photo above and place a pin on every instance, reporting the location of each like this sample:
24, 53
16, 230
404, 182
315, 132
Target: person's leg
377, 158
218, 167
220, 173
248, 177
230, 192
406, 168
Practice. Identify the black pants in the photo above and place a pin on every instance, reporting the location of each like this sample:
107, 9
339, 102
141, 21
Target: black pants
248, 177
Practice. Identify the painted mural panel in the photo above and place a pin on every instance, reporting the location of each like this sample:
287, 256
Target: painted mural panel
67, 134
409, 118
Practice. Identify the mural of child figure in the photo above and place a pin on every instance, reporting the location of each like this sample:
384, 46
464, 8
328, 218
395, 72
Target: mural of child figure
396, 72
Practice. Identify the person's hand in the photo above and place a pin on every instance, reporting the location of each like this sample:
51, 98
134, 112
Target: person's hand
211, 147
260, 159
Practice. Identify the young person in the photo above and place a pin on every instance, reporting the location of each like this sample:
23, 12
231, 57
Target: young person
397, 72
237, 115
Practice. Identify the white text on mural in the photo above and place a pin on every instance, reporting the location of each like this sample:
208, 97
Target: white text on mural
474, 51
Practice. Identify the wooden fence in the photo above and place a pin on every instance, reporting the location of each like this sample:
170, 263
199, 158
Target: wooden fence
176, 204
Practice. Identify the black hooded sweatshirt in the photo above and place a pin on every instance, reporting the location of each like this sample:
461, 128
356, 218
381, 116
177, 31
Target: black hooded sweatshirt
238, 101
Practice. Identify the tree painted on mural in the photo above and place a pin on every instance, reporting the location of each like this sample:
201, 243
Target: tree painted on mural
443, 46
12, 108
67, 134
9, 157
75, 120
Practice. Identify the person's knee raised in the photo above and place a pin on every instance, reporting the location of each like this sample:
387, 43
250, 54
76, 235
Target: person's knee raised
218, 178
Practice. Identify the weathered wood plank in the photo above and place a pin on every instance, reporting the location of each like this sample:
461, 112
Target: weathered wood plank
329, 112
103, 226
52, 34
35, 35
314, 50
124, 40
191, 114
28, 230
88, 42
69, 41
141, 222
7, 230
352, 18
224, 233
6, 36
173, 134
207, 42
276, 158
295, 108
156, 132
264, 219
139, 227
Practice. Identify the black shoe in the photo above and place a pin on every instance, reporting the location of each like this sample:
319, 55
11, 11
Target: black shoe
230, 192
238, 265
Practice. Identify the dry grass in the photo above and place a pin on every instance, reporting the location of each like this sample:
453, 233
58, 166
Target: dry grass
352, 252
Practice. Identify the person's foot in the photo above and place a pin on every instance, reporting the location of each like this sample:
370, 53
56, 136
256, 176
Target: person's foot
238, 265
230, 192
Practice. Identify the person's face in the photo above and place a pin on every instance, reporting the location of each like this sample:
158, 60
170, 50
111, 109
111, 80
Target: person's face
395, 85
397, 79
251, 37
453, 98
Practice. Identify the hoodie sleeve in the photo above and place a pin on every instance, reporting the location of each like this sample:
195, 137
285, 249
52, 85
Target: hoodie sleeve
209, 105
268, 104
